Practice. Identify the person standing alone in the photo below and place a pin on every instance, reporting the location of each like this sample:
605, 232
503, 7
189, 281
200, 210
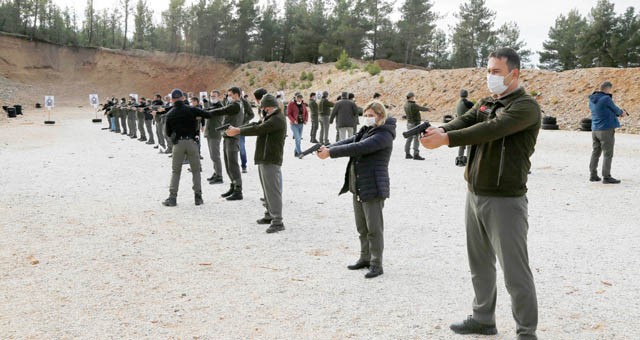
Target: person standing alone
412, 111
604, 121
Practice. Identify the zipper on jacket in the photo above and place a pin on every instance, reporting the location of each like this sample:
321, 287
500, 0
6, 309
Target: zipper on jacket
264, 152
501, 162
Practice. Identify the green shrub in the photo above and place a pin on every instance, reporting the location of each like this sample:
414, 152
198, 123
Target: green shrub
328, 81
294, 84
310, 76
373, 68
303, 76
260, 68
252, 80
344, 63
283, 84
381, 80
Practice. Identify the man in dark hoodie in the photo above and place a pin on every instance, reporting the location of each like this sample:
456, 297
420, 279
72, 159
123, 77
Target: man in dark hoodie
604, 121
367, 178
271, 132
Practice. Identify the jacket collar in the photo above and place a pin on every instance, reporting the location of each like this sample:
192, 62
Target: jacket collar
506, 100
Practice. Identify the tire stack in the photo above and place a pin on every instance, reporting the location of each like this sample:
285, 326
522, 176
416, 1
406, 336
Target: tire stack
549, 123
447, 118
585, 124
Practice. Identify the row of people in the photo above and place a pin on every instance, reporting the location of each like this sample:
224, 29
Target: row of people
501, 130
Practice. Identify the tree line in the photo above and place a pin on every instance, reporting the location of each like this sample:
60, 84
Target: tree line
320, 30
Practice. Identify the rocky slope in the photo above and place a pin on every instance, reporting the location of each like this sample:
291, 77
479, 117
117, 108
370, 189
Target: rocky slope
29, 70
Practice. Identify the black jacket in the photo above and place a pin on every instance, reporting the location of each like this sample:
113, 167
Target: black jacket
181, 120
247, 111
369, 150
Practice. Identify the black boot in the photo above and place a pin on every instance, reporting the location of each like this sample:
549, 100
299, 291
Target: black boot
198, 199
373, 272
408, 156
417, 157
236, 195
170, 202
217, 179
228, 193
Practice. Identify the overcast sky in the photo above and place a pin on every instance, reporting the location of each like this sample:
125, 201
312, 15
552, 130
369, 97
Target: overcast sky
534, 17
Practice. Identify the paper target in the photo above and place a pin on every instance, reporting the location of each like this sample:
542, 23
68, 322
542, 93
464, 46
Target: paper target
49, 102
93, 99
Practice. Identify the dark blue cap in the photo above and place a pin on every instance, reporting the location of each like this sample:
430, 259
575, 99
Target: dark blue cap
177, 94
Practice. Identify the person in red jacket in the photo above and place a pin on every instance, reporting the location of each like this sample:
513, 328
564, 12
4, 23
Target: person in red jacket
298, 116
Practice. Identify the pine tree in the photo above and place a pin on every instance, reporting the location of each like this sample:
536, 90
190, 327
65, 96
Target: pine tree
245, 28
473, 37
626, 41
143, 25
126, 10
595, 47
376, 14
508, 35
416, 29
561, 49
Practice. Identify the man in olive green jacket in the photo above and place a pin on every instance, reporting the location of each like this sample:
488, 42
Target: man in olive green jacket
412, 111
271, 133
502, 131
324, 112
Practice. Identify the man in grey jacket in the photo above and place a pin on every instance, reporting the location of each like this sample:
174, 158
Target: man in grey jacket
345, 113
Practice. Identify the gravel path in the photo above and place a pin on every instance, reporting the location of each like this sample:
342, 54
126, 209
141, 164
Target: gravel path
87, 250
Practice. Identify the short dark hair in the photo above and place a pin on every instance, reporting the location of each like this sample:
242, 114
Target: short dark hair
606, 85
195, 99
513, 59
351, 95
312, 94
376, 95
235, 90
216, 92
259, 93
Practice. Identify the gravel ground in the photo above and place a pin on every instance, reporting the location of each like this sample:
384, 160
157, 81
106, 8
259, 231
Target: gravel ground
87, 250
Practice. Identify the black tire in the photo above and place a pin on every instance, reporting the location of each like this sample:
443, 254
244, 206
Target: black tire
585, 125
96, 120
585, 121
447, 118
549, 120
550, 127
49, 122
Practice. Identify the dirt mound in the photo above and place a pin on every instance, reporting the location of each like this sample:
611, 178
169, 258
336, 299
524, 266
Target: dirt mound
30, 70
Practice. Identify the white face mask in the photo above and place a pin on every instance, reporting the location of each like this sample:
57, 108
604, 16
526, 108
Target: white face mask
299, 102
369, 121
214, 100
496, 84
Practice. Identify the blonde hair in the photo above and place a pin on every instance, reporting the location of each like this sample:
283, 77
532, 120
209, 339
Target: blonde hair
378, 109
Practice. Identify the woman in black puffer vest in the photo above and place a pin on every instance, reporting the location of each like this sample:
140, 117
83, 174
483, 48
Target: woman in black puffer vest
367, 178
